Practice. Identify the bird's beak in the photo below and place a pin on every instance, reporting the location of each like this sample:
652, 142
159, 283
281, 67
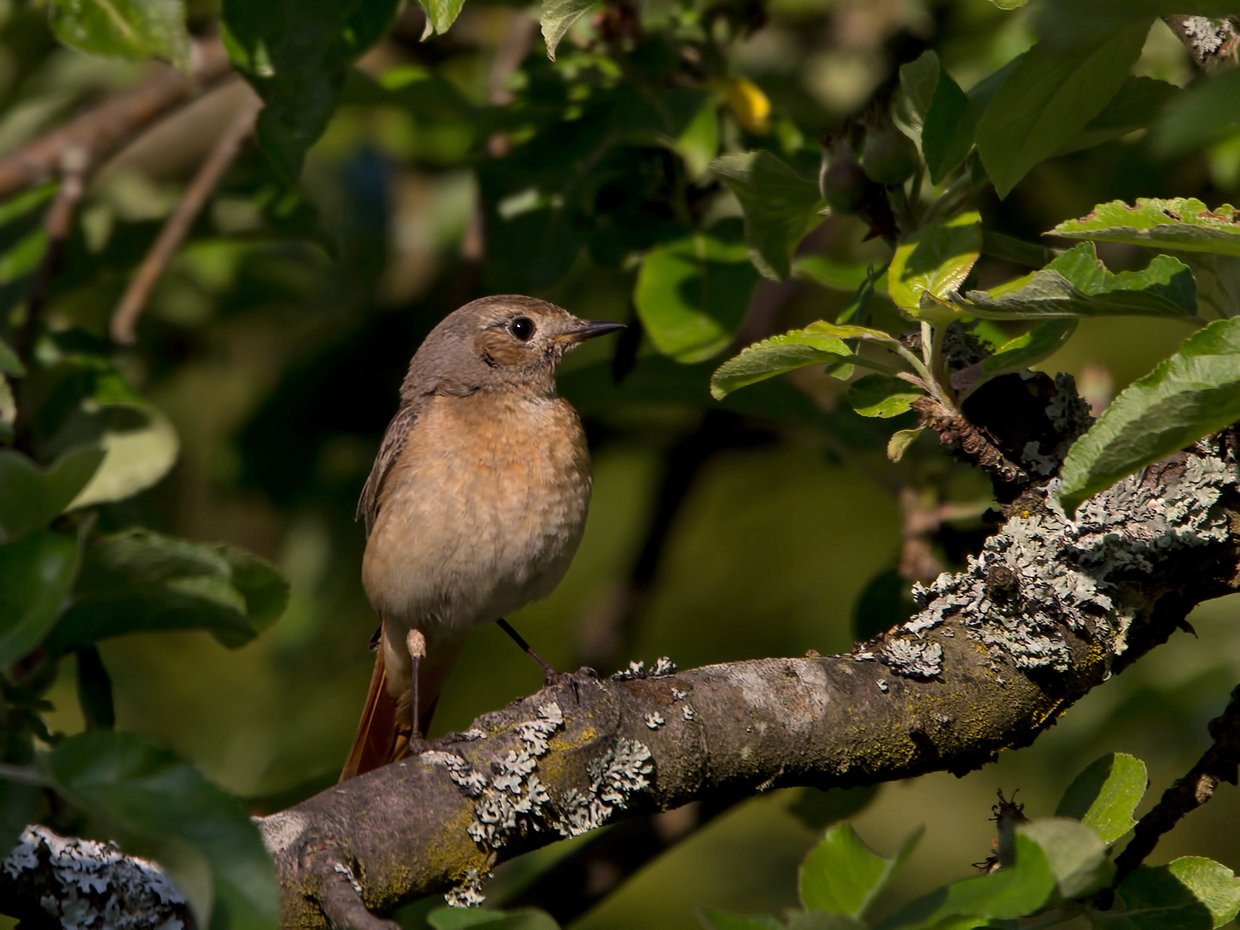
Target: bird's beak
588, 330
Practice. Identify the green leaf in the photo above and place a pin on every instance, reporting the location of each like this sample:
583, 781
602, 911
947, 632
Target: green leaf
780, 207
1207, 111
136, 29
1050, 97
829, 274
1077, 284
947, 133
818, 809
295, 54
36, 574
1218, 283
1186, 397
10, 363
1029, 348
900, 441
1135, 106
1017, 891
713, 919
557, 17
842, 875
691, 295
1190, 893
934, 261
879, 396
31, 497
1076, 855
440, 15
1009, 4
139, 581
817, 344
461, 918
1106, 794
146, 796
919, 80
820, 920
1180, 223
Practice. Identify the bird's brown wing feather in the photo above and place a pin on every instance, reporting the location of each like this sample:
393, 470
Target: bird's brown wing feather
375, 742
389, 451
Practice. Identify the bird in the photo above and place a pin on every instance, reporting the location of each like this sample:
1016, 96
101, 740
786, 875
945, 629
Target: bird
474, 507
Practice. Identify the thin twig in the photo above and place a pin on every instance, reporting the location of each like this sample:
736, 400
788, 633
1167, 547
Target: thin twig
22, 774
103, 130
1219, 763
75, 164
125, 317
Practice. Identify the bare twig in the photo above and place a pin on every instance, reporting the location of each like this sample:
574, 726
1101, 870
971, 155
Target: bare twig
74, 166
125, 318
1219, 764
105, 129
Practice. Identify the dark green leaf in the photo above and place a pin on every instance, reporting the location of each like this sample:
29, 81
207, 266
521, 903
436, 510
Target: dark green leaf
557, 17
10, 364
886, 601
1049, 98
780, 207
462, 918
136, 29
1203, 113
947, 134
145, 796
1106, 794
829, 274
818, 809
295, 54
817, 344
94, 687
821, 920
691, 295
36, 574
879, 396
140, 581
1072, 24
1077, 284
31, 497
1181, 223
1190, 893
842, 875
1076, 855
721, 920
1185, 398
1135, 106
1017, 891
1029, 348
919, 80
19, 807
1218, 283
933, 262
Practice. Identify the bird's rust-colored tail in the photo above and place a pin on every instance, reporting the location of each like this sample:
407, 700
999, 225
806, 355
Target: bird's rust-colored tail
383, 732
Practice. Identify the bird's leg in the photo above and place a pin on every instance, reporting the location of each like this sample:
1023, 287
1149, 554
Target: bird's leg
415, 642
517, 638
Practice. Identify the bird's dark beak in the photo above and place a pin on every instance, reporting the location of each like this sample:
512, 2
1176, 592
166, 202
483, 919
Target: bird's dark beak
588, 330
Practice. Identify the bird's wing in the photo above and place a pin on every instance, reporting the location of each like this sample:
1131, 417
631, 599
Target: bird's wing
389, 451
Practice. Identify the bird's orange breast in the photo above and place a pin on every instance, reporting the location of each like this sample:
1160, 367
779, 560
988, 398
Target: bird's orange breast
481, 513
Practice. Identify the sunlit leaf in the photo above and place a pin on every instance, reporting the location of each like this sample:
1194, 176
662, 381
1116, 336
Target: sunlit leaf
691, 295
1190, 395
1050, 97
1077, 856
934, 262
144, 796
842, 875
879, 396
1106, 794
31, 497
780, 207
1180, 223
137, 29
557, 17
1013, 892
1189, 893
900, 441
1077, 284
817, 344
1029, 348
140, 447
36, 574
141, 581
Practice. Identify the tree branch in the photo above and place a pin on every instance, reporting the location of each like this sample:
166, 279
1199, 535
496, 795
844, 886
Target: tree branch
103, 130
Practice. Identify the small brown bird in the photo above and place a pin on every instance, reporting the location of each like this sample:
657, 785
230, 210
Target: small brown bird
475, 504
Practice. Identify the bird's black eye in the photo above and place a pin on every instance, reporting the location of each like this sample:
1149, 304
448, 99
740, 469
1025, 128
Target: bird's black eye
522, 327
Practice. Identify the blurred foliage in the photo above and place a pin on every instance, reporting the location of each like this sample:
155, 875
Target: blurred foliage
666, 167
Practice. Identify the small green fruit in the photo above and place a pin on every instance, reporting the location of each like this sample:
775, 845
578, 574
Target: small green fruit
842, 180
889, 156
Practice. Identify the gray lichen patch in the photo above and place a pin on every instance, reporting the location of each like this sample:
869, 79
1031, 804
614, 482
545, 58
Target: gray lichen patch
662, 667
1043, 574
99, 887
615, 777
913, 659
